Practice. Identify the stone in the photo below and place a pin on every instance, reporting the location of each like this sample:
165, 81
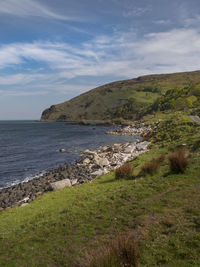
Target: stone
62, 150
26, 199
98, 173
102, 162
142, 145
61, 184
74, 181
89, 152
38, 194
86, 161
24, 204
130, 149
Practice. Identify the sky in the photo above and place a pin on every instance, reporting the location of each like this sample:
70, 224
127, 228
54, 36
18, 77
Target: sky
51, 51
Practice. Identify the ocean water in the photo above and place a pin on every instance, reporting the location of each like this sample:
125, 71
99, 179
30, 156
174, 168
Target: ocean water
28, 148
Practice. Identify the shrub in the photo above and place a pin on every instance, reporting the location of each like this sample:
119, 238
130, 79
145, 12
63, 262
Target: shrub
150, 167
178, 161
122, 251
160, 158
124, 171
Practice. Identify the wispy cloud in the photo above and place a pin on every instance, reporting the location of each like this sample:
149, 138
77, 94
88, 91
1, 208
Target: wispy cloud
118, 56
163, 22
134, 12
31, 8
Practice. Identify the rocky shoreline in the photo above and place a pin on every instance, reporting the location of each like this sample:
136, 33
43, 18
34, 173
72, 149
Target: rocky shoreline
91, 165
133, 130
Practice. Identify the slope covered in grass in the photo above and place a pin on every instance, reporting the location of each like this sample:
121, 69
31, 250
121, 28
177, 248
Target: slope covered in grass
119, 99
161, 210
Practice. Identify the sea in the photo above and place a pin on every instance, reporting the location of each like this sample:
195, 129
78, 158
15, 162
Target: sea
28, 149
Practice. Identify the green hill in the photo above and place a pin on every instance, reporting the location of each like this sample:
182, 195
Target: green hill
120, 99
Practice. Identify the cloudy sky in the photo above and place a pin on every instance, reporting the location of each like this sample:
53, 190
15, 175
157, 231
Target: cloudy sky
51, 51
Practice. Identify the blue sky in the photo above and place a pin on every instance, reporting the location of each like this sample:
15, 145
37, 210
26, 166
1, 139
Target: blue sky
51, 51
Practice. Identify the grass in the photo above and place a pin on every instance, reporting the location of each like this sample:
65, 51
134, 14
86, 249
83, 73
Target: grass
59, 228
161, 211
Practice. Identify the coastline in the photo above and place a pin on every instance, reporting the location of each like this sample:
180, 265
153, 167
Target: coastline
89, 166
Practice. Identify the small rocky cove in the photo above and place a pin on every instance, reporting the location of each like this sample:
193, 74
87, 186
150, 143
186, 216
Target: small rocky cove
90, 165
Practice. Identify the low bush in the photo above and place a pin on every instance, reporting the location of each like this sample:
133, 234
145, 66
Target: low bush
178, 161
122, 251
152, 166
124, 171
160, 158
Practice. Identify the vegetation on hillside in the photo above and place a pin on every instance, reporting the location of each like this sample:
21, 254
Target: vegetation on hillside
160, 210
157, 206
123, 99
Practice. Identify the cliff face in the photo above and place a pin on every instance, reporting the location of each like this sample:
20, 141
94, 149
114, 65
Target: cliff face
104, 102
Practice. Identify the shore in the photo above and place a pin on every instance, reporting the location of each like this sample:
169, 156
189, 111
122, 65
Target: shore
90, 165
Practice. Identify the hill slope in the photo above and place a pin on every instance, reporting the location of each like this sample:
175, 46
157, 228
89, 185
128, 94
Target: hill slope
162, 211
104, 102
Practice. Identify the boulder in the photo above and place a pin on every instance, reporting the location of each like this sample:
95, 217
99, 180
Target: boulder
24, 204
130, 149
62, 150
98, 173
60, 184
89, 152
38, 194
102, 162
86, 161
74, 181
26, 199
142, 145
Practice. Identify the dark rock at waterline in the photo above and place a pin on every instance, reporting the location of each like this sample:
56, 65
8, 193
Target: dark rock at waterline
101, 161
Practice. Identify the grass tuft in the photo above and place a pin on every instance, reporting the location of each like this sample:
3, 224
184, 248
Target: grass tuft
178, 161
122, 251
150, 167
125, 171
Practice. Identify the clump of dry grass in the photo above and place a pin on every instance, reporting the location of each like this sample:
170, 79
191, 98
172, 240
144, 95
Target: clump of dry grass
122, 251
178, 161
160, 158
152, 166
125, 171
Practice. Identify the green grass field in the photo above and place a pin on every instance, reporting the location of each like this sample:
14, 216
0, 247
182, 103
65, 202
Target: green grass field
162, 211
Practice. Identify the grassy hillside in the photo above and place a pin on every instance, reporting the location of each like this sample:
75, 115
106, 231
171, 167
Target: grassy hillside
162, 211
119, 99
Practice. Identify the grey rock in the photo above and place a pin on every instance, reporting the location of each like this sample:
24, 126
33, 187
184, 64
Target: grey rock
98, 173
74, 181
103, 162
61, 184
24, 204
130, 149
142, 145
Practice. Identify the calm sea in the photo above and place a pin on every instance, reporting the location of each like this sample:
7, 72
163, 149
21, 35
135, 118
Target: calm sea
28, 147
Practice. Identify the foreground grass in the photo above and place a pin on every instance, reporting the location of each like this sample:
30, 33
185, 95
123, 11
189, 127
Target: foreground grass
161, 211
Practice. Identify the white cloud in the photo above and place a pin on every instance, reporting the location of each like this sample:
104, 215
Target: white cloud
119, 56
163, 22
30, 8
135, 12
